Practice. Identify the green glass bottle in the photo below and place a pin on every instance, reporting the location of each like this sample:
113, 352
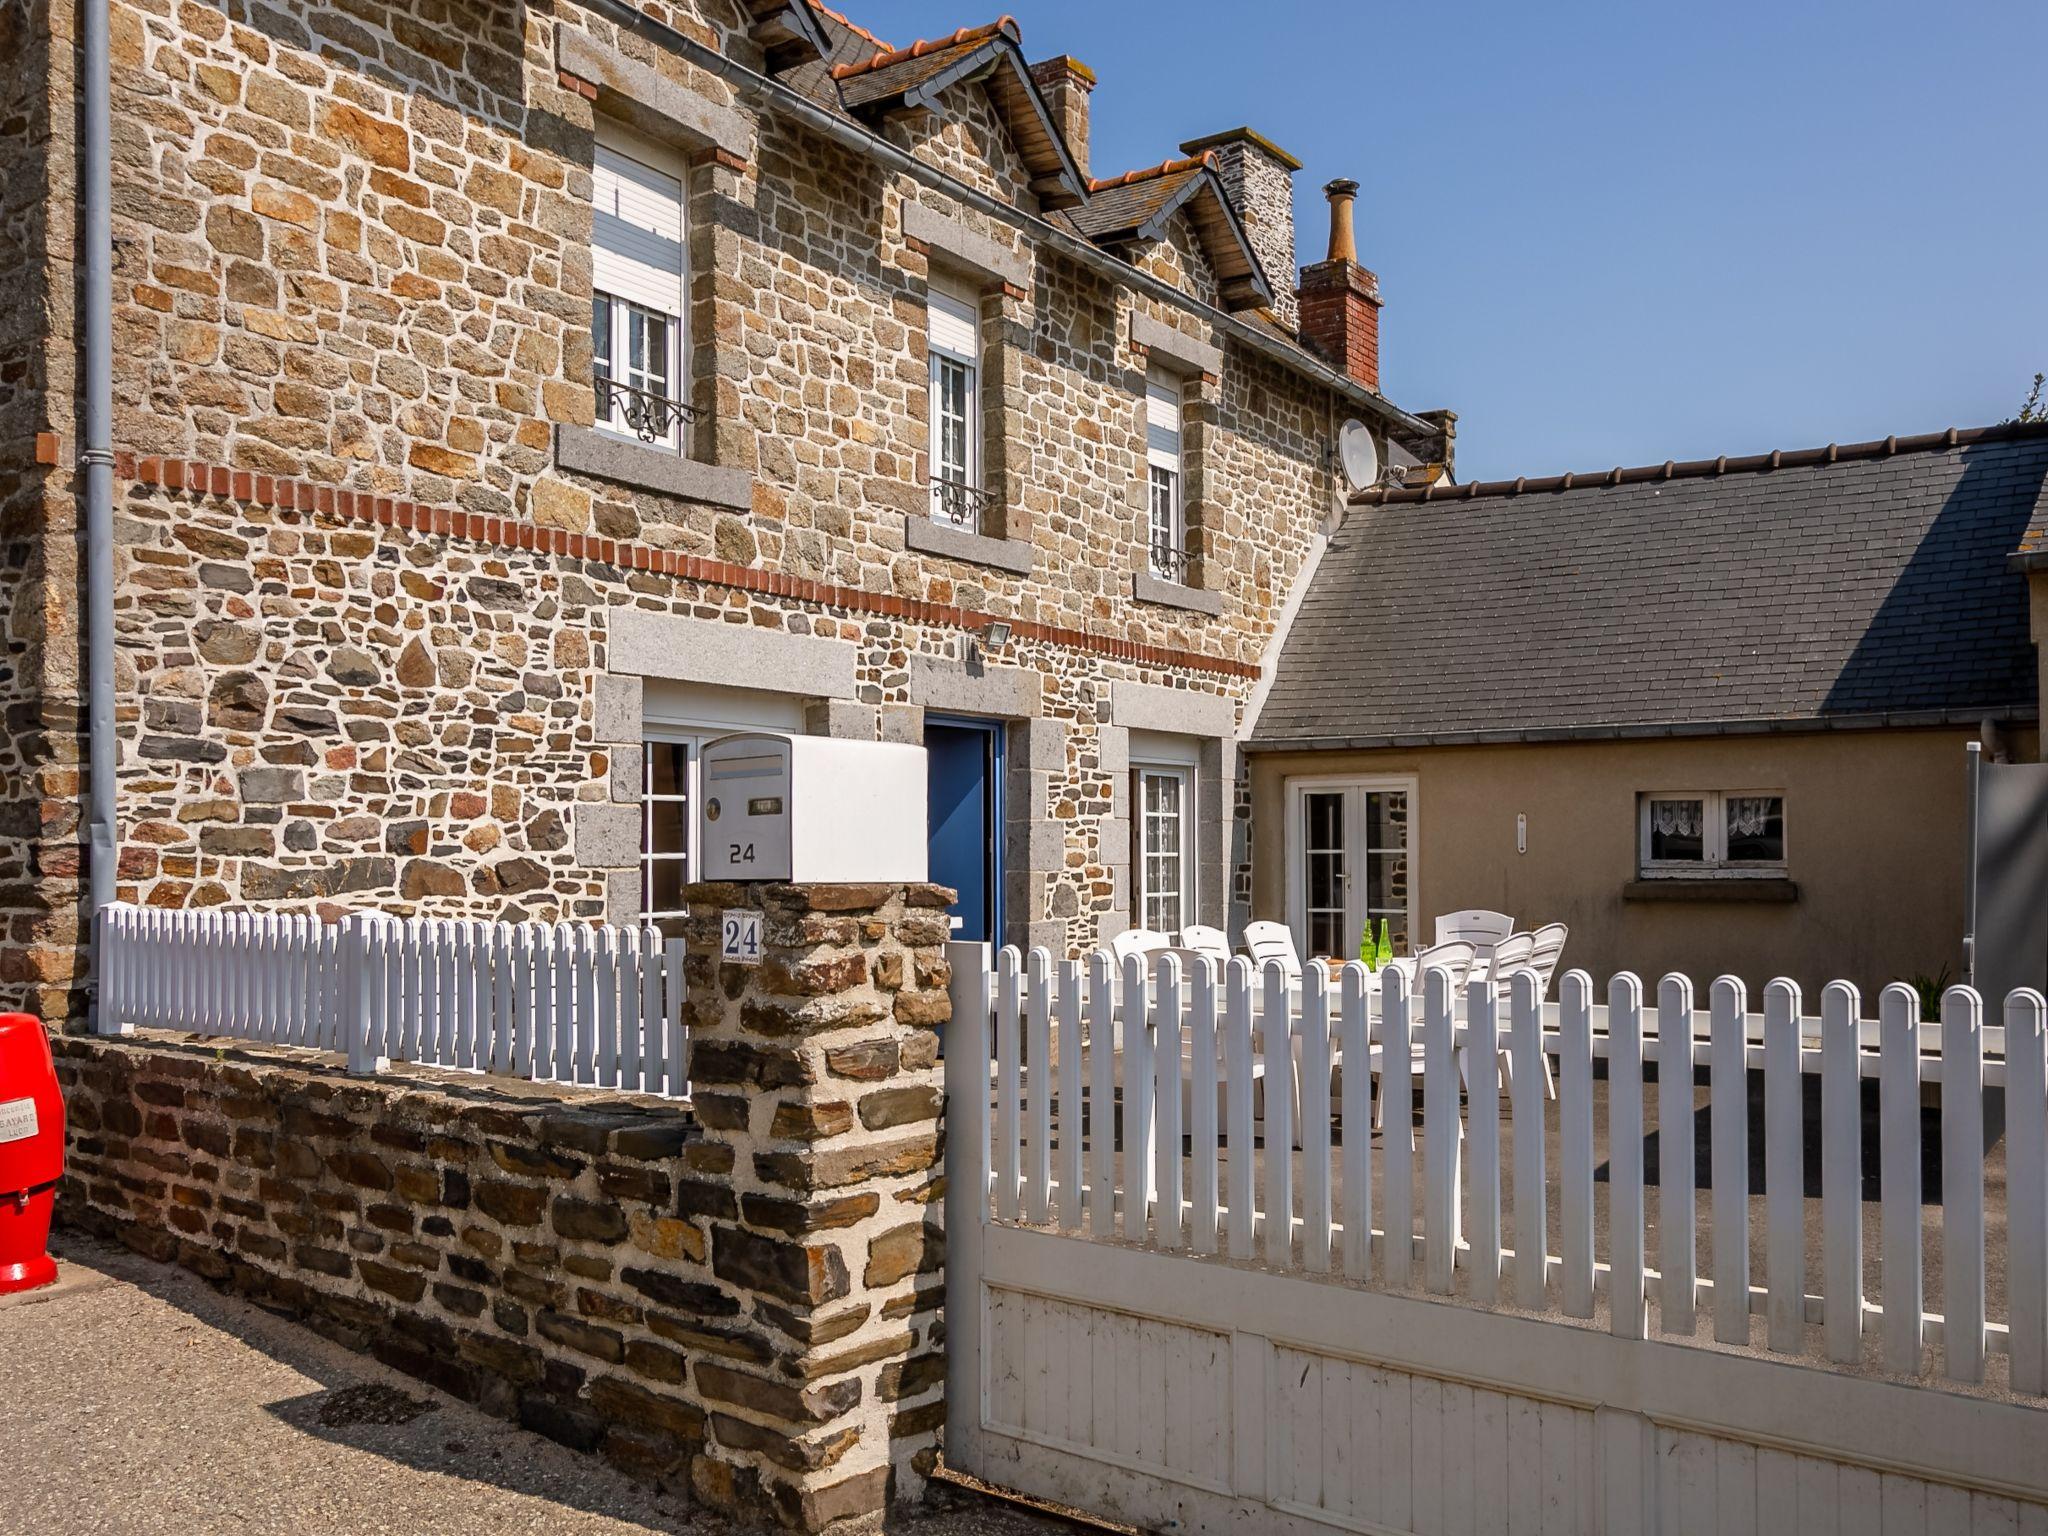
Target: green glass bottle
1366, 951
1386, 944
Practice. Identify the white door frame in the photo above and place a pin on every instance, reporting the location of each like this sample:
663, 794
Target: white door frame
1356, 785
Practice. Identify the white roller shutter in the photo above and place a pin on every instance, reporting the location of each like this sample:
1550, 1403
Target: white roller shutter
955, 325
637, 232
1162, 422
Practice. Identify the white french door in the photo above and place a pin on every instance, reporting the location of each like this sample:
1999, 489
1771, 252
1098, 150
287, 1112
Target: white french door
1350, 863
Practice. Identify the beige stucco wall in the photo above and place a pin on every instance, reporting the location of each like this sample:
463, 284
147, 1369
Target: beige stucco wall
1873, 838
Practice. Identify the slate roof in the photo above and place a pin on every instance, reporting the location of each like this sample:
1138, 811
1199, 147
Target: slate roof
1865, 585
1137, 205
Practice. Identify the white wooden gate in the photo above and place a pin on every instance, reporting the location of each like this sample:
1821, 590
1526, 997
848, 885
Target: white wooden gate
1134, 1330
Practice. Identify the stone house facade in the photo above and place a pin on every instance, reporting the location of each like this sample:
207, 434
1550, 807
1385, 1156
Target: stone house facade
446, 533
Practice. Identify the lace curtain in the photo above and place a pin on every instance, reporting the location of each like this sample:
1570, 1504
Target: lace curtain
1675, 818
1750, 815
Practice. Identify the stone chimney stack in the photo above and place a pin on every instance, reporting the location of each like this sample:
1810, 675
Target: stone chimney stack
1258, 178
1067, 83
1340, 300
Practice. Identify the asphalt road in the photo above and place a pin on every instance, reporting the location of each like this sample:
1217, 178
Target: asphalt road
136, 1400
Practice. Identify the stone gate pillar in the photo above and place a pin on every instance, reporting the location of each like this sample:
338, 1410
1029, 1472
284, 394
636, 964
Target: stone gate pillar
815, 1075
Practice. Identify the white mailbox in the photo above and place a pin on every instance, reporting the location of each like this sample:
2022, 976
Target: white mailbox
811, 808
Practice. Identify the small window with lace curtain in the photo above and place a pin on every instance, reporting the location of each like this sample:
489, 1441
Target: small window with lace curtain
1712, 832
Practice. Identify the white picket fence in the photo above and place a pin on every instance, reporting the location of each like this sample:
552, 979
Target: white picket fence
567, 1002
1192, 1056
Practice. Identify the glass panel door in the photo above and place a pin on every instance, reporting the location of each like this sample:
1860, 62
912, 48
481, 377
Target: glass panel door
1327, 866
1351, 858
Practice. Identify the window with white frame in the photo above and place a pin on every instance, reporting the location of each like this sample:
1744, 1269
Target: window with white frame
638, 320
1711, 832
1163, 800
668, 769
955, 346
1168, 531
1351, 864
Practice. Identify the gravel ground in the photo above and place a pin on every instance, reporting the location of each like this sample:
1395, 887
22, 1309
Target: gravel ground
137, 1400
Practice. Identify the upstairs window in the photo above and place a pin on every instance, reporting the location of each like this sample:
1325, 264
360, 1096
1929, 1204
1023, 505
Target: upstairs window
1693, 833
1168, 531
637, 316
955, 345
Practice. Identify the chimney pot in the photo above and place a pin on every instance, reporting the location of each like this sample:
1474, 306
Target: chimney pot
1340, 300
1342, 193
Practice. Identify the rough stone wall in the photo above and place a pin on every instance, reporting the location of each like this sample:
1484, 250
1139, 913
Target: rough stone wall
741, 1304
353, 250
40, 747
816, 1074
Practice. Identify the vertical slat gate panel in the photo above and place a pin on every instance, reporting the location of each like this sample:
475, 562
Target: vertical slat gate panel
1354, 1029
564, 1004
1167, 1057
1102, 1062
469, 991
1137, 1082
1532, 1226
526, 983
673, 987
1962, 1185
1677, 1218
1069, 1001
1728, 1131
1625, 1156
1482, 1092
1238, 1071
1575, 1141
1038, 1081
1898, 1023
1397, 1143
1841, 1171
1784, 1172
2026, 1172
1202, 1044
1315, 1119
584, 1013
628, 1067
606, 1064
1441, 1141
1277, 1042
652, 1020
1009, 1026
448, 995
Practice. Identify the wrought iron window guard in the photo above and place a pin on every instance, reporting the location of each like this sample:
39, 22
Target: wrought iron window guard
1170, 562
961, 504
652, 418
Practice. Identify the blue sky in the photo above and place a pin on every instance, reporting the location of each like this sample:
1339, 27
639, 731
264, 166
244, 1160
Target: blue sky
1616, 234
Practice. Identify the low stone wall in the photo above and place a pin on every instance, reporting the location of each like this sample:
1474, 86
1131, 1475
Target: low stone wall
741, 1304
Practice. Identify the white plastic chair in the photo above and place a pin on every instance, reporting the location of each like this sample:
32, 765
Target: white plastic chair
1455, 957
1477, 926
1137, 941
1549, 948
1212, 942
1272, 941
1510, 954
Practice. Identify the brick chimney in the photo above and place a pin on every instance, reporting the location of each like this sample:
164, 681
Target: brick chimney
1258, 178
1066, 82
1340, 300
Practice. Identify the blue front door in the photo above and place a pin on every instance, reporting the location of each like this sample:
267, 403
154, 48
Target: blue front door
964, 760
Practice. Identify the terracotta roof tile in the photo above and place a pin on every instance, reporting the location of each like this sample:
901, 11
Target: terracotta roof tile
1164, 168
923, 46
849, 23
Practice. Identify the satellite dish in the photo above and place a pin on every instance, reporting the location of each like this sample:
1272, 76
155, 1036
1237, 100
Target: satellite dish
1359, 455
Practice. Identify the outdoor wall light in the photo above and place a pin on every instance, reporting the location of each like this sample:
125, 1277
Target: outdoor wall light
997, 633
